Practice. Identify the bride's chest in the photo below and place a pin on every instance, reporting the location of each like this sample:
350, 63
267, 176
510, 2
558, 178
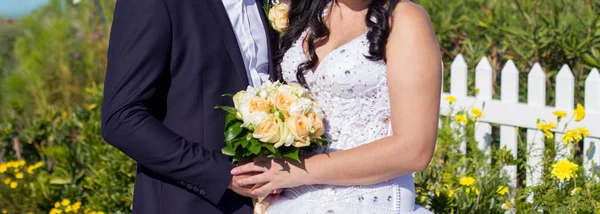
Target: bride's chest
344, 73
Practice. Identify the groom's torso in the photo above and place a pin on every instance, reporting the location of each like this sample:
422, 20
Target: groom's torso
205, 63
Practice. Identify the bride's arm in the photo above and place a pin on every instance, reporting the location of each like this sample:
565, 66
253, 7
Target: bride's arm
414, 81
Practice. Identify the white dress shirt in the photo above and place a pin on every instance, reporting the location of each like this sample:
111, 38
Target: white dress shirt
251, 36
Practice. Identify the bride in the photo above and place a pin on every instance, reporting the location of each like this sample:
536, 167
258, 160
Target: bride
374, 67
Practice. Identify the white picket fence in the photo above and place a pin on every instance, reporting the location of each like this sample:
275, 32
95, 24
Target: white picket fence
509, 113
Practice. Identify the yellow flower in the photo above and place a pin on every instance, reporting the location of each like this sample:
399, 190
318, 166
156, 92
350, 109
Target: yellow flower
560, 114
576, 135
17, 170
68, 209
477, 112
55, 211
549, 135
19, 175
546, 128
450, 193
576, 191
21, 163
91, 107
507, 205
571, 136
65, 202
3, 168
502, 190
461, 119
579, 113
4, 211
13, 185
57, 205
30, 170
7, 181
76, 206
564, 170
475, 190
583, 131
99, 212
450, 99
11, 164
467, 181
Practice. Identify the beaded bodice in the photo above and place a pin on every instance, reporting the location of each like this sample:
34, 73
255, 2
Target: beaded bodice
351, 89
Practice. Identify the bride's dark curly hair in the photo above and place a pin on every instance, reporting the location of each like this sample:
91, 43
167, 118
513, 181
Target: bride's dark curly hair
307, 14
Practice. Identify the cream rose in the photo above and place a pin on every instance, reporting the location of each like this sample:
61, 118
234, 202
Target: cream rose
300, 107
286, 138
268, 130
318, 129
299, 126
278, 16
254, 118
237, 99
298, 90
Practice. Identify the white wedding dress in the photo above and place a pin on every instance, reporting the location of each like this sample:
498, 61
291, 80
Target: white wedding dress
353, 92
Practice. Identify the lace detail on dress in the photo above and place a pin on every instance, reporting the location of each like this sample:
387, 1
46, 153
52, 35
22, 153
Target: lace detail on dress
352, 91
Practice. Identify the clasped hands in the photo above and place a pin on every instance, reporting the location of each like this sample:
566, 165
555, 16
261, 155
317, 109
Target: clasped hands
267, 177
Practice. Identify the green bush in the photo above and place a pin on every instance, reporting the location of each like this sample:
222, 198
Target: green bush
62, 50
551, 32
77, 164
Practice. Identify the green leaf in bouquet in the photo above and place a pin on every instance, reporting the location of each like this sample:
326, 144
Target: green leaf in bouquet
276, 154
229, 119
228, 150
233, 131
255, 147
227, 95
244, 143
228, 109
269, 147
292, 153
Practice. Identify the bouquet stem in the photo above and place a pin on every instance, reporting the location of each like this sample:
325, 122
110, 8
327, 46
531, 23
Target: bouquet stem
260, 205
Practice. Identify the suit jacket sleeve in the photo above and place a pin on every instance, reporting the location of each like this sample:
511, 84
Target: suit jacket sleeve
139, 53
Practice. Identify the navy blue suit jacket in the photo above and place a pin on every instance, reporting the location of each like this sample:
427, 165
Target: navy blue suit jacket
169, 62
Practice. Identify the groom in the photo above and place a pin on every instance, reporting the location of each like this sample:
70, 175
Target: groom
169, 62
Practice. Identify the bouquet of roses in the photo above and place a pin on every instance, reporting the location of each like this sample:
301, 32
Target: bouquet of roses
274, 121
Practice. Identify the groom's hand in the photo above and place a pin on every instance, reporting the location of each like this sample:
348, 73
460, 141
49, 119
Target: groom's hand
241, 190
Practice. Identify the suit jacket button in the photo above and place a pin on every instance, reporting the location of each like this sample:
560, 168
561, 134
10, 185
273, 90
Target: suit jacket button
195, 189
189, 186
202, 192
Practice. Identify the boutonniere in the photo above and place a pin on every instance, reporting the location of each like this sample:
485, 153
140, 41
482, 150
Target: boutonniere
278, 13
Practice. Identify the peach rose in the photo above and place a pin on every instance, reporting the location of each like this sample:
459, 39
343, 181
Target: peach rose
318, 129
299, 126
283, 101
268, 131
258, 104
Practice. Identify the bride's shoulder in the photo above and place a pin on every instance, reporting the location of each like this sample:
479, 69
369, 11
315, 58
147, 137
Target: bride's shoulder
410, 21
406, 12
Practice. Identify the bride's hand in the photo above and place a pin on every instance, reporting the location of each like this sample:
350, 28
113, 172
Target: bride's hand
275, 174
